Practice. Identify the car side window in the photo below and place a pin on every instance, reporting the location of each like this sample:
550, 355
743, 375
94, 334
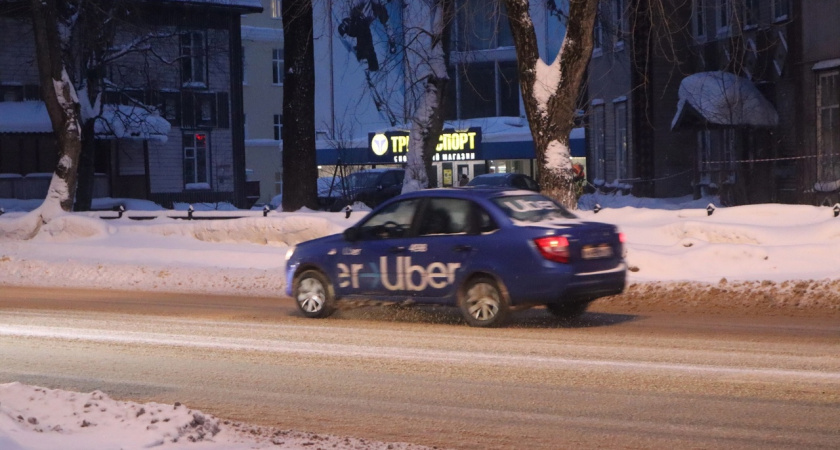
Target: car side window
393, 221
453, 216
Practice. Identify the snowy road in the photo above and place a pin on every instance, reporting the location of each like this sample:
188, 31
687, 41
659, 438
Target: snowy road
618, 379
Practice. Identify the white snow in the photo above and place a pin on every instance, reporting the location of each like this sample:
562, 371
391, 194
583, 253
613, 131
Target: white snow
667, 240
724, 98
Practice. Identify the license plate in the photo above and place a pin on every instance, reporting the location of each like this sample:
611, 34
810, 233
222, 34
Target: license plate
596, 251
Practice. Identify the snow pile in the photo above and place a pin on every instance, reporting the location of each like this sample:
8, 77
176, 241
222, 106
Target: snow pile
35, 418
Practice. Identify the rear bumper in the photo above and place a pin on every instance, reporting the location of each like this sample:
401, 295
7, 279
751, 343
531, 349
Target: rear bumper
553, 287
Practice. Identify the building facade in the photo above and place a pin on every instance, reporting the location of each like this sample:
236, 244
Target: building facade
262, 88
171, 128
723, 97
367, 87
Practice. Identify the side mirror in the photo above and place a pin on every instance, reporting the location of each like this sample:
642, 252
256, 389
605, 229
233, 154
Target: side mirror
351, 234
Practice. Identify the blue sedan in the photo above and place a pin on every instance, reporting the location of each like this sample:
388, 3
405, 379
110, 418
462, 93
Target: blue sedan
486, 251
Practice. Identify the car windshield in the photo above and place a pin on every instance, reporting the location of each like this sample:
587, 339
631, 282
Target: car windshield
362, 180
532, 208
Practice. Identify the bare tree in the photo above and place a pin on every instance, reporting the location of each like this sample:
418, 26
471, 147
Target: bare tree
550, 91
300, 169
61, 100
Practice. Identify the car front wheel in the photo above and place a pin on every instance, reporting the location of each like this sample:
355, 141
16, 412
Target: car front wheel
313, 295
482, 303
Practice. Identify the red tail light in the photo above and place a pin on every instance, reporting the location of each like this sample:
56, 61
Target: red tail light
622, 238
554, 248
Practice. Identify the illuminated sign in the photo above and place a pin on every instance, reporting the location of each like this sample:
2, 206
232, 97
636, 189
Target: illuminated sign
460, 145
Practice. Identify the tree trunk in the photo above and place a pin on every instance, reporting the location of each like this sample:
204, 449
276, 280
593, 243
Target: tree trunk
61, 102
300, 171
427, 122
84, 188
550, 92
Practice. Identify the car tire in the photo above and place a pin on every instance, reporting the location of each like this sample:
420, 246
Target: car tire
567, 311
483, 304
313, 294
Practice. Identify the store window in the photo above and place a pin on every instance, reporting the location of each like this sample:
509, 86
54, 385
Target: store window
196, 167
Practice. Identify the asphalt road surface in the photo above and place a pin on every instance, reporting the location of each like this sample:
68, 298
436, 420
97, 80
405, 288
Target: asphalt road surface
616, 379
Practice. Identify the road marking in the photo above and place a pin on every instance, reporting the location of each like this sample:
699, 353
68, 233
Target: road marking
397, 353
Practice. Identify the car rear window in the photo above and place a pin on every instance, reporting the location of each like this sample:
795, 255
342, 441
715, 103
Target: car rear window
532, 208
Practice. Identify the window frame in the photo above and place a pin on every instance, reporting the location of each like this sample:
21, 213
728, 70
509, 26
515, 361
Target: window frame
276, 9
617, 11
599, 141
723, 17
622, 141
698, 20
780, 9
278, 127
190, 55
193, 175
278, 66
751, 14
828, 171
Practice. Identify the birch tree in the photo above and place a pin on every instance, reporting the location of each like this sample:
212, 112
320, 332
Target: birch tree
430, 46
550, 90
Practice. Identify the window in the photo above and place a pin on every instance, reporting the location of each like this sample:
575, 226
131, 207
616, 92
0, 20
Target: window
698, 19
193, 59
598, 131
484, 89
598, 35
244, 68
278, 127
481, 28
750, 14
196, 167
828, 126
723, 13
621, 143
277, 66
276, 9
245, 125
781, 10
618, 22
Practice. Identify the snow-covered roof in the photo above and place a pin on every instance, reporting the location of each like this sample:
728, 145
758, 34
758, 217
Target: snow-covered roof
130, 122
24, 117
724, 98
124, 122
250, 4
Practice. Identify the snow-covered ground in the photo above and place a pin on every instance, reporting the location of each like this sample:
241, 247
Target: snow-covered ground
672, 240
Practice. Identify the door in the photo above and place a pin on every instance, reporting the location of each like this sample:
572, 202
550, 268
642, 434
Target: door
374, 264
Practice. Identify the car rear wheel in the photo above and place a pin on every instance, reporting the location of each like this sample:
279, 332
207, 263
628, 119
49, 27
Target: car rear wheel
567, 311
482, 303
313, 295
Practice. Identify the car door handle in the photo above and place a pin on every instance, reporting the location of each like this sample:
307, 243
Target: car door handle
399, 249
462, 248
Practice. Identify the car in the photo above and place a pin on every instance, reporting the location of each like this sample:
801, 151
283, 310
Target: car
370, 186
508, 180
486, 251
